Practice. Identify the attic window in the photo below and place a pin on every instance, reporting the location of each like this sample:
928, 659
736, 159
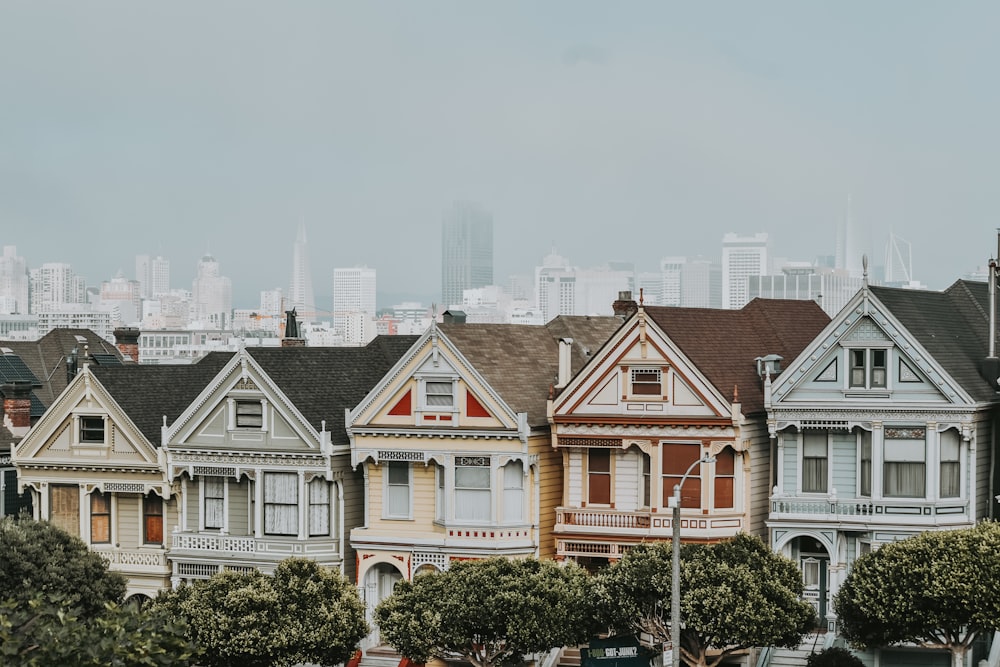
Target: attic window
647, 382
249, 414
439, 394
91, 429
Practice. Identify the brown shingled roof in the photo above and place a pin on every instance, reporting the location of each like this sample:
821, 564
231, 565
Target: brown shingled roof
723, 344
521, 362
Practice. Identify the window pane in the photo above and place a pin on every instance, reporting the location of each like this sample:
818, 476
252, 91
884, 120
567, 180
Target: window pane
472, 477
865, 471
319, 507
814, 475
399, 473
249, 414
100, 517
904, 480
64, 509
91, 429
723, 492
152, 510
439, 394
398, 498
513, 492
600, 488
214, 497
281, 509
646, 382
678, 457
472, 505
599, 460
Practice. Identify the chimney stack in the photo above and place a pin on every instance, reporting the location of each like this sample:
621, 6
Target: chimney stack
17, 406
127, 342
625, 307
565, 362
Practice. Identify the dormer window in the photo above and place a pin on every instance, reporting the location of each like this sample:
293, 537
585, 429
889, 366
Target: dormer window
439, 394
868, 368
92, 429
249, 414
647, 382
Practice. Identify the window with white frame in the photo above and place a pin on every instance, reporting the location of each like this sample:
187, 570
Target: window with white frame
868, 368
439, 394
865, 464
904, 470
249, 414
439, 499
472, 488
646, 479
815, 450
599, 476
91, 429
951, 464
678, 457
281, 503
647, 382
725, 479
397, 490
319, 507
513, 492
214, 501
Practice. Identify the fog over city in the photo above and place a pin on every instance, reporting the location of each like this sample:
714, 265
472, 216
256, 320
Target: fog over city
609, 131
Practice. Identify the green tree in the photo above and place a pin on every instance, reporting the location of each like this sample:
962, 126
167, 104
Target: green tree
303, 613
735, 595
489, 612
37, 558
44, 632
939, 589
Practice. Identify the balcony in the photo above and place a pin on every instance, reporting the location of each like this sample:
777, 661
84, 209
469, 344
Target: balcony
642, 524
249, 549
136, 561
863, 513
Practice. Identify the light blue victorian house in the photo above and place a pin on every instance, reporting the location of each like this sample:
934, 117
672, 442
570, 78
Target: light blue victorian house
882, 428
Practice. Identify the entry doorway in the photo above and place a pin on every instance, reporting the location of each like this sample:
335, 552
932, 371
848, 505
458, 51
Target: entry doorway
814, 561
379, 583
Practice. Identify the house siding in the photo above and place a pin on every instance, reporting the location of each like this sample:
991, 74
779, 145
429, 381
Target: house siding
550, 475
756, 474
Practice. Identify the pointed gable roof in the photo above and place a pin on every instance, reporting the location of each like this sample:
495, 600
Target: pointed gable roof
952, 325
147, 393
724, 344
521, 362
323, 382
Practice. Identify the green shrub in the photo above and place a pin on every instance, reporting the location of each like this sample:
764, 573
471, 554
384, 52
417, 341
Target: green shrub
834, 657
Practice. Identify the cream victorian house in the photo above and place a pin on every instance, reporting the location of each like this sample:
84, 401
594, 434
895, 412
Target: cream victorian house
455, 448
672, 387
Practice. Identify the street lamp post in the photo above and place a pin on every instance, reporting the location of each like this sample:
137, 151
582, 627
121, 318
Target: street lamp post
675, 579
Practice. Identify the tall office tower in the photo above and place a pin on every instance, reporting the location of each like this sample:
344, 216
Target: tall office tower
898, 262
742, 257
300, 295
701, 284
353, 301
555, 286
211, 295
15, 284
153, 274
650, 284
466, 251
848, 253
672, 275
271, 302
54, 285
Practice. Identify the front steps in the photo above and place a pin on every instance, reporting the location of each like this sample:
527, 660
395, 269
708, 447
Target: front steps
796, 657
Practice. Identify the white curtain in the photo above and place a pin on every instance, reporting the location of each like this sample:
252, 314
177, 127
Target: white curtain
472, 493
281, 503
951, 466
905, 474
513, 492
398, 489
215, 492
319, 507
814, 462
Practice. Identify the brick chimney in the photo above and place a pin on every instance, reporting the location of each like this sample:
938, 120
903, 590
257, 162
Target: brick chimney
625, 307
17, 406
127, 342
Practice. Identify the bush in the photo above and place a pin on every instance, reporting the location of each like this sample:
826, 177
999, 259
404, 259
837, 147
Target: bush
834, 657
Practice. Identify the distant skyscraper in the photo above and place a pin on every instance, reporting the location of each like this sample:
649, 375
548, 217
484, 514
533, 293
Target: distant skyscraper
848, 253
54, 285
211, 295
153, 275
466, 251
353, 300
300, 296
742, 257
898, 262
701, 284
14, 282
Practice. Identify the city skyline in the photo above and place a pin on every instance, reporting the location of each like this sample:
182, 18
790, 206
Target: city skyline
611, 134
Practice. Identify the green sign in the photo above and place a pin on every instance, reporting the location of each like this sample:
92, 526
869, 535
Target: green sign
615, 652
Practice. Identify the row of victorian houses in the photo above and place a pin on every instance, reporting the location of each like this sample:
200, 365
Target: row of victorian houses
826, 437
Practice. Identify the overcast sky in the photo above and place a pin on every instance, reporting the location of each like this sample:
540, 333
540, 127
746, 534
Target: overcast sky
611, 131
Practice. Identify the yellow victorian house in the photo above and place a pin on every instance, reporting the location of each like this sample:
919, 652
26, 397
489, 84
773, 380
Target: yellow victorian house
456, 450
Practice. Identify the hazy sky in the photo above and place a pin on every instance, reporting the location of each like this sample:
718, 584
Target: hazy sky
612, 131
